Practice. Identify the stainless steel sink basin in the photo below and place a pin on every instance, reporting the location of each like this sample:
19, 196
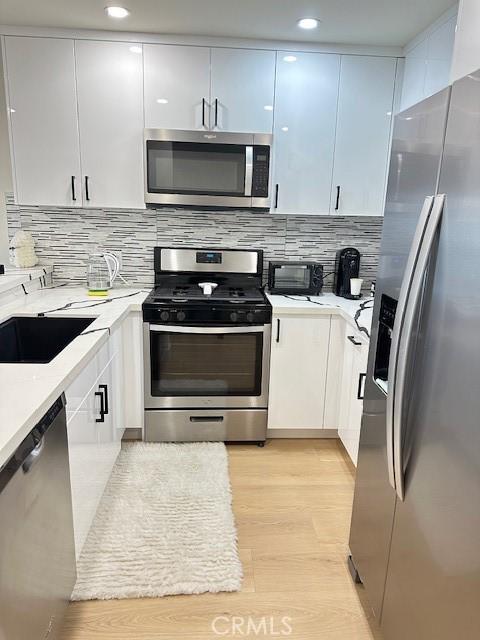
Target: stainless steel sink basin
38, 339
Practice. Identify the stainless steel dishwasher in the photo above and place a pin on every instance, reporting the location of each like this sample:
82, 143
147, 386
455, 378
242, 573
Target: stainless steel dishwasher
37, 553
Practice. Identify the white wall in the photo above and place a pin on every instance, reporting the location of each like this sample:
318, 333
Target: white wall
428, 59
466, 54
5, 169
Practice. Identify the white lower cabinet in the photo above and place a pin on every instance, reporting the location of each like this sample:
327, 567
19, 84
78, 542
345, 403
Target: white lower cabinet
355, 356
94, 427
317, 377
298, 371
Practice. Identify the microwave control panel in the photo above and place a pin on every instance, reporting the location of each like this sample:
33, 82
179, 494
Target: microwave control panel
261, 171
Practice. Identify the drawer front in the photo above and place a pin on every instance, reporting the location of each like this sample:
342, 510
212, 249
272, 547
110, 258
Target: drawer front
206, 426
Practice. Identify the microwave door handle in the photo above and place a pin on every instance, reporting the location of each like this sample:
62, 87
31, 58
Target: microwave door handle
397, 331
248, 170
406, 337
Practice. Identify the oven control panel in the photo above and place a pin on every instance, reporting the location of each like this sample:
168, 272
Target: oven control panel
215, 315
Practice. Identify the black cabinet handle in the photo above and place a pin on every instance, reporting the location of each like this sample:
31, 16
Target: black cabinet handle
102, 406
278, 330
87, 194
104, 388
74, 197
275, 206
203, 112
206, 418
216, 112
357, 343
360, 393
337, 203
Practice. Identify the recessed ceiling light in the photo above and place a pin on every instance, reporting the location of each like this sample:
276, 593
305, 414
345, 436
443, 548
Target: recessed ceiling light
284, 128
162, 101
136, 49
117, 12
268, 107
308, 23
289, 58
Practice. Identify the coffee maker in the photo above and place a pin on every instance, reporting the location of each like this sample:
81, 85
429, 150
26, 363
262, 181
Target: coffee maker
347, 265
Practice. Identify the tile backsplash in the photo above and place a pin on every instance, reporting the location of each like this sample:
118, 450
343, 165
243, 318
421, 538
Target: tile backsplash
66, 237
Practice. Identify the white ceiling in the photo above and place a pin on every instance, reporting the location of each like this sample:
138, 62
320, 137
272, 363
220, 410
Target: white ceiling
371, 22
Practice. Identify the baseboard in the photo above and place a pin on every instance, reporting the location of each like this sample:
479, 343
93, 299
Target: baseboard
133, 433
302, 433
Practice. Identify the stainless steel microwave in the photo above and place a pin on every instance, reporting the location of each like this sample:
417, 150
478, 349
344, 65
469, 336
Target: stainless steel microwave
207, 169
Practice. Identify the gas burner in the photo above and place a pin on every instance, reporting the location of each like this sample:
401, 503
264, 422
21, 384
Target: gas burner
178, 297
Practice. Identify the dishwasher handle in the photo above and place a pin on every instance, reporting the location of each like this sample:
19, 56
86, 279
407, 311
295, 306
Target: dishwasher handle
33, 456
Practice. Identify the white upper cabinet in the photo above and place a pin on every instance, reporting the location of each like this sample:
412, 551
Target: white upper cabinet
177, 86
110, 111
42, 104
304, 137
242, 90
365, 103
428, 60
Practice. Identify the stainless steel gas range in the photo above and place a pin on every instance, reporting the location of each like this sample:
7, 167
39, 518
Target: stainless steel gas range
207, 326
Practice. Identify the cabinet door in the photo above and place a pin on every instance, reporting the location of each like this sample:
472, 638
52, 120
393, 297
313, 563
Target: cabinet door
298, 372
356, 399
352, 384
414, 72
108, 442
42, 104
110, 108
86, 471
177, 81
304, 140
242, 90
362, 145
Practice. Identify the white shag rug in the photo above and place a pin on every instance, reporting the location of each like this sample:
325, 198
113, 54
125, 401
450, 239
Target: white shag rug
164, 526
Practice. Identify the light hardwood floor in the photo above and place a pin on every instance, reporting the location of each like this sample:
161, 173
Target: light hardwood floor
292, 503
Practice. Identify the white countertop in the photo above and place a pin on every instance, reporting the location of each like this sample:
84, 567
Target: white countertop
28, 390
356, 312
15, 277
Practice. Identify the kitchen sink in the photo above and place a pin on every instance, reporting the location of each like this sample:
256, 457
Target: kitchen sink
38, 339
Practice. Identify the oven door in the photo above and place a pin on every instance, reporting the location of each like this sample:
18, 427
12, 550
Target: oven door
198, 168
206, 367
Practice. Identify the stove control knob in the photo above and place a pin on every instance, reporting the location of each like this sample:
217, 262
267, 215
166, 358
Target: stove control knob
250, 317
164, 316
181, 316
234, 316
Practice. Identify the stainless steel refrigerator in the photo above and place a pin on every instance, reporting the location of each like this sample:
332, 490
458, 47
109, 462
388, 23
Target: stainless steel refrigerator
415, 532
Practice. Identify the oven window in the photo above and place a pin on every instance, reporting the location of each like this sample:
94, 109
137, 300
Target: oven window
195, 168
184, 364
292, 277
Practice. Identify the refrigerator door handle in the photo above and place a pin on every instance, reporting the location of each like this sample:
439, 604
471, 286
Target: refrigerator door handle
397, 331
405, 339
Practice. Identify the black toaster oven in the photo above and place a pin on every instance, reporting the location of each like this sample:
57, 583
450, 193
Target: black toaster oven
295, 278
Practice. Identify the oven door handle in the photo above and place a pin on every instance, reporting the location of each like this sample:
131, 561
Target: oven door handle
248, 170
165, 328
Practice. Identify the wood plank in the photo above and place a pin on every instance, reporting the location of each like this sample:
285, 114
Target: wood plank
292, 502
